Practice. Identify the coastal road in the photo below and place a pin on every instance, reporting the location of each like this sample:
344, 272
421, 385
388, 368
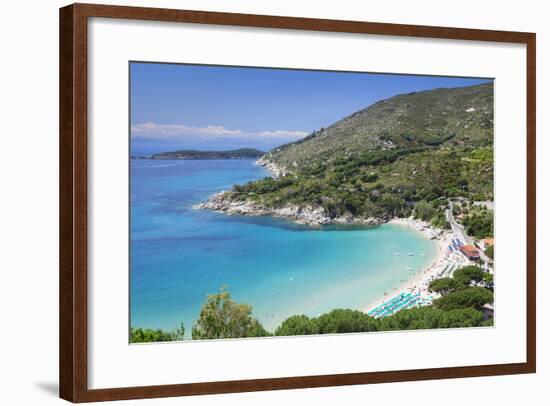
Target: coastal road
458, 231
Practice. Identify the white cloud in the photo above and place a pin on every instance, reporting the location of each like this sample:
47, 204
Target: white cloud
282, 134
181, 132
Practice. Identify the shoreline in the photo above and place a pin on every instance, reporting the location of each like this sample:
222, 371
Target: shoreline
443, 264
275, 170
304, 215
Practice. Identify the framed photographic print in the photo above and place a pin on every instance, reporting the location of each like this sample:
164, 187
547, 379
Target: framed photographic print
256, 202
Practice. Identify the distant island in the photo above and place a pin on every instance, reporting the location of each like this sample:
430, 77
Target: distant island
398, 197
241, 153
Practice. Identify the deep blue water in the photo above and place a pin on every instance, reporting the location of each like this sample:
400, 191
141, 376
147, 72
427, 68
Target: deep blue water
179, 254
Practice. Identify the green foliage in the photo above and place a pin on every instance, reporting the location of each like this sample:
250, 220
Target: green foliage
468, 317
370, 178
345, 321
297, 325
488, 278
439, 220
469, 297
479, 224
418, 149
353, 321
468, 274
423, 211
430, 318
482, 155
392, 204
432, 212
141, 335
379, 184
221, 317
443, 285
490, 252
431, 119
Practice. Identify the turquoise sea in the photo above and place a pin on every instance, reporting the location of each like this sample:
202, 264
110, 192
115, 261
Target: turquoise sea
178, 254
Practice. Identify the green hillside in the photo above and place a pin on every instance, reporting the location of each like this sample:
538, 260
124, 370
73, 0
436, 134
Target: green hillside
440, 117
381, 161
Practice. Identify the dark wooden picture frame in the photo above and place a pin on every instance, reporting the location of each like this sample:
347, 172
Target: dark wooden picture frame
74, 200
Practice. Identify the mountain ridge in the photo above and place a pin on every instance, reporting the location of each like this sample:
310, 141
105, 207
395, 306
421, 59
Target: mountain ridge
394, 123
379, 162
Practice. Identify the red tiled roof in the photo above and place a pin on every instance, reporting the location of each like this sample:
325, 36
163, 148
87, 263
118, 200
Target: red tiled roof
489, 241
469, 250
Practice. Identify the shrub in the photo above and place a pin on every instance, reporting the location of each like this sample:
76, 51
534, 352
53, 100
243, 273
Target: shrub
297, 325
345, 321
443, 285
146, 335
430, 318
468, 274
470, 297
221, 317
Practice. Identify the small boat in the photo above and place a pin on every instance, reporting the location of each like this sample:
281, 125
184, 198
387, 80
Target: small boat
422, 254
410, 254
396, 253
410, 268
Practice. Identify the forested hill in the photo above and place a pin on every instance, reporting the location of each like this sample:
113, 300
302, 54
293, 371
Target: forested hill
380, 162
242, 153
440, 117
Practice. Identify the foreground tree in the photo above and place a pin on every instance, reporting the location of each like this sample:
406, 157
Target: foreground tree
221, 317
443, 285
141, 335
430, 318
474, 297
468, 274
345, 321
297, 326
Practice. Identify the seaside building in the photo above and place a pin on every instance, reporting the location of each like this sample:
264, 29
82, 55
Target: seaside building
470, 252
486, 243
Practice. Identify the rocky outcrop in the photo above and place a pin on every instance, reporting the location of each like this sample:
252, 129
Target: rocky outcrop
276, 170
222, 202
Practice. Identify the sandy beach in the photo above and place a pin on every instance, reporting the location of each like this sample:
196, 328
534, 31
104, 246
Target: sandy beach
443, 265
444, 261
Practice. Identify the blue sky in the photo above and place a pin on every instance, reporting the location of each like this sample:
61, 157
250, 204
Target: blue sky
177, 106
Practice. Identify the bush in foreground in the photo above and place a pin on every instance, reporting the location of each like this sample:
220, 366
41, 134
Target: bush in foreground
345, 321
146, 335
443, 285
221, 317
297, 326
429, 318
474, 297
